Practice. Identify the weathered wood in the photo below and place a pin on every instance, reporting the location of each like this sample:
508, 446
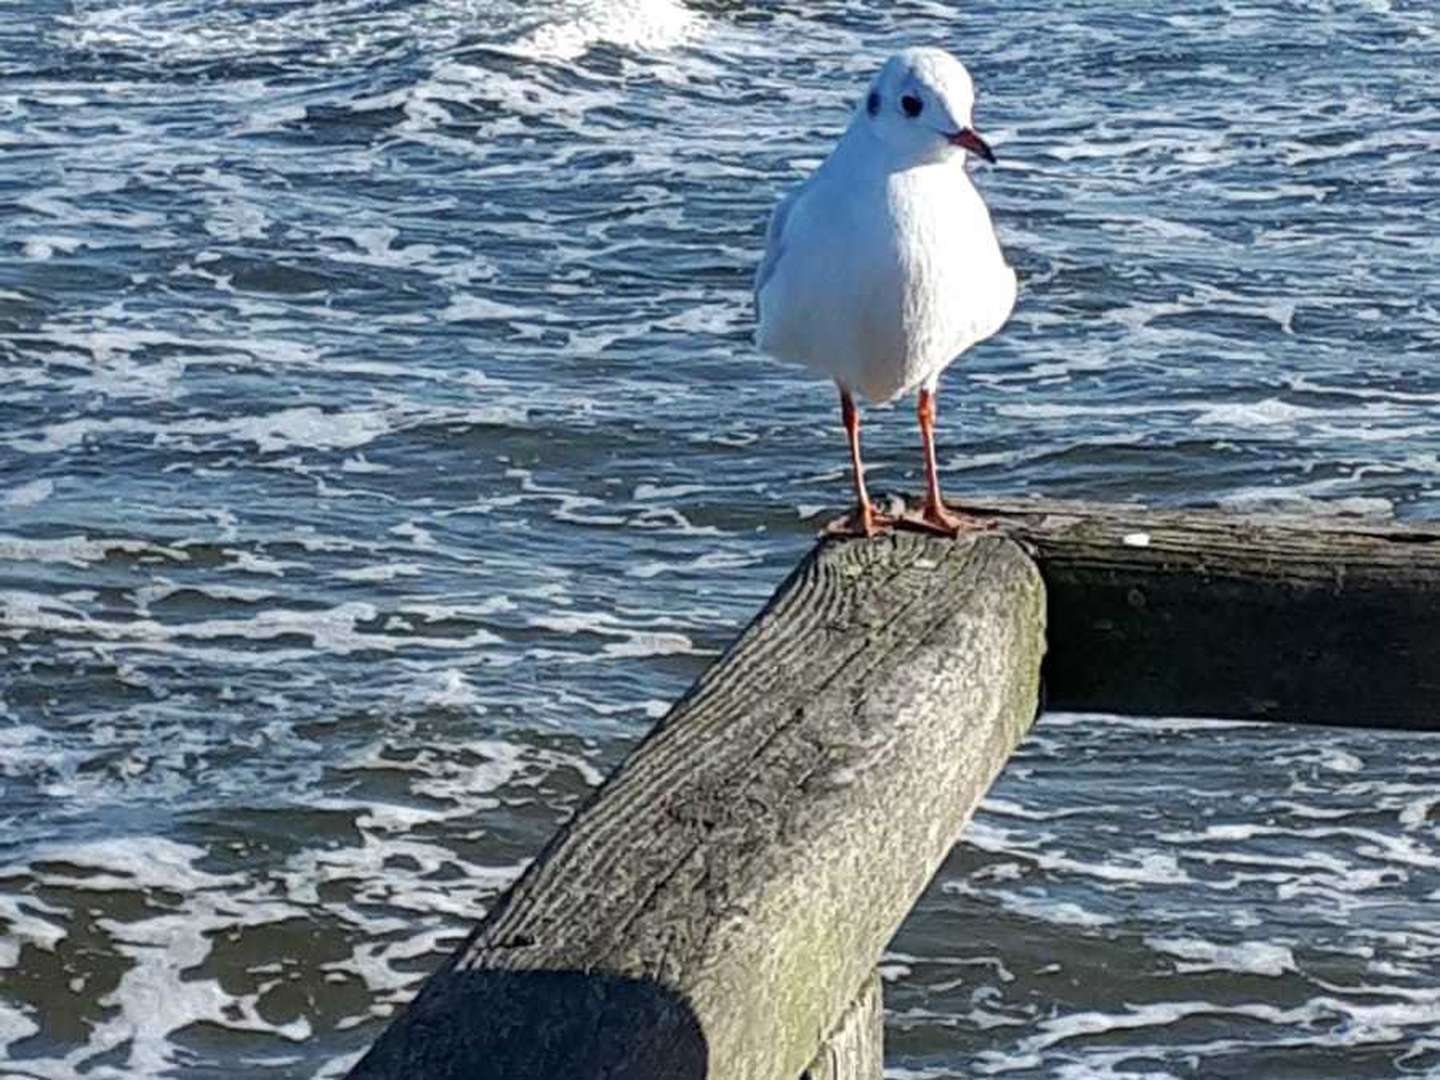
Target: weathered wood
1205, 613
720, 902
855, 1050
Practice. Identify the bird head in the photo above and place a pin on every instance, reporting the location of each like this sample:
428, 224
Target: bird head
920, 106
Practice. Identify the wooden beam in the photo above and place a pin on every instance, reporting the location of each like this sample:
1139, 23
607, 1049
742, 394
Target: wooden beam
1204, 613
855, 1050
723, 899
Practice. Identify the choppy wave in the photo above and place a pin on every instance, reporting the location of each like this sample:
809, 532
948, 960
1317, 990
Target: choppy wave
381, 449
1138, 896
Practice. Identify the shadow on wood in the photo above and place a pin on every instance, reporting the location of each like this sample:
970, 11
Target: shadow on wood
478, 1025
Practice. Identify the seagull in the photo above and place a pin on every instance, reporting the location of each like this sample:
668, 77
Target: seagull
883, 266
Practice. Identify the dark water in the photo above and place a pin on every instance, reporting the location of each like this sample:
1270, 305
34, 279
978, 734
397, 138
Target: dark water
382, 449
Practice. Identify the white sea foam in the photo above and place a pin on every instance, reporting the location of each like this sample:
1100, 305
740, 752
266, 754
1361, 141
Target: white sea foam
576, 25
1260, 413
306, 427
15, 1024
381, 572
513, 228
32, 922
1139, 867
334, 630
83, 550
710, 562
1302, 499
1048, 909
634, 641
135, 862
1247, 957
449, 689
1418, 812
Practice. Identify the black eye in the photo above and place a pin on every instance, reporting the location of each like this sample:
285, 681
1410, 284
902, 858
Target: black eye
872, 103
912, 105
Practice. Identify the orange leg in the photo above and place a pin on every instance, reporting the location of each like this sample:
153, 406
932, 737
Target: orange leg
864, 520
934, 517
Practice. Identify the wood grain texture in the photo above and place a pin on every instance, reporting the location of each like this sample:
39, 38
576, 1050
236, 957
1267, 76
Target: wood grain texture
724, 897
855, 1050
1206, 613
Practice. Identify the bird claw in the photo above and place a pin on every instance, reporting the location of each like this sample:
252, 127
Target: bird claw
936, 519
858, 524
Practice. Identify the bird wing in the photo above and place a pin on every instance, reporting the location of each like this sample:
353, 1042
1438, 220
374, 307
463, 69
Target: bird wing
775, 241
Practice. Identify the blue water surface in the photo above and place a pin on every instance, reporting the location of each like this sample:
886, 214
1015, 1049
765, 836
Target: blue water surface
382, 449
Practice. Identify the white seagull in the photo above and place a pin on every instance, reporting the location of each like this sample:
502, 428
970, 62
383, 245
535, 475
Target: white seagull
883, 266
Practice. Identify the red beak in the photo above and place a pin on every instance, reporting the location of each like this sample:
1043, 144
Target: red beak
967, 138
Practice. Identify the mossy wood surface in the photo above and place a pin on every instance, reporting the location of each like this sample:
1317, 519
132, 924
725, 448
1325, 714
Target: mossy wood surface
723, 899
1205, 613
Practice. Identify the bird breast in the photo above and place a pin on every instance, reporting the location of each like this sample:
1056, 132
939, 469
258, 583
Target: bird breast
951, 273
902, 276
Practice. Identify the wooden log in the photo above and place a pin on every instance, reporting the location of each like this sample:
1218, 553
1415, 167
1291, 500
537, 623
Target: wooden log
855, 1050
1205, 613
721, 901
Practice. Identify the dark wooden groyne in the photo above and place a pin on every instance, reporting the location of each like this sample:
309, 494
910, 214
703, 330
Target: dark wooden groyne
1250, 617
717, 908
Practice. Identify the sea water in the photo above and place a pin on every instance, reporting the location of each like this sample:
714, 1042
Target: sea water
382, 449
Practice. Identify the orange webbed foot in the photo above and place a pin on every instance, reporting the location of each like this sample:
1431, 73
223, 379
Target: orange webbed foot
936, 518
863, 522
